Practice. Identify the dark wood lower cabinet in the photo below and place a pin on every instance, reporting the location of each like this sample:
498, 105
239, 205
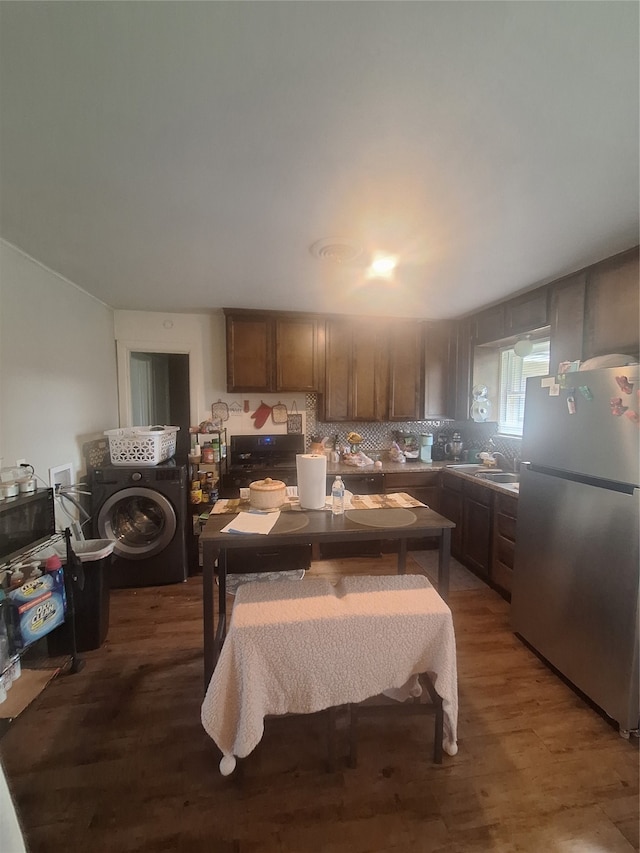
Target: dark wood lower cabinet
476, 529
451, 506
424, 486
357, 484
505, 513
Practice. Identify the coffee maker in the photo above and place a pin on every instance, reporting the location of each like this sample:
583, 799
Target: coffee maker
438, 453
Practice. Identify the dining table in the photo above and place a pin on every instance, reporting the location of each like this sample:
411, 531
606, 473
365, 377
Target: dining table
373, 518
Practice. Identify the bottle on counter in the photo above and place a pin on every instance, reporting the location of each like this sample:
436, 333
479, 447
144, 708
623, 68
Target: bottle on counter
337, 496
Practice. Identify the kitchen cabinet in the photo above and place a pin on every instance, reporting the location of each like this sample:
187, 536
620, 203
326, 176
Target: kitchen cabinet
527, 312
406, 370
421, 485
460, 367
437, 368
356, 386
612, 307
476, 528
271, 351
357, 484
452, 507
488, 325
505, 513
567, 320
468, 504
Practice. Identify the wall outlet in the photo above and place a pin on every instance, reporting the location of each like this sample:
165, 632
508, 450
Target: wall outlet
61, 475
20, 462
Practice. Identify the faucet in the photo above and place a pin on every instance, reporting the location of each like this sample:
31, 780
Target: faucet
501, 459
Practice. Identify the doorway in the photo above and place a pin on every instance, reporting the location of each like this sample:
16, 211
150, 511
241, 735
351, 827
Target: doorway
160, 394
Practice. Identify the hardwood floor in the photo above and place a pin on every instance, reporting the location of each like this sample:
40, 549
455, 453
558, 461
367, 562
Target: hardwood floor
115, 758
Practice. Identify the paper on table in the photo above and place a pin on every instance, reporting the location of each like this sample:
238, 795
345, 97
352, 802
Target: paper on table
251, 522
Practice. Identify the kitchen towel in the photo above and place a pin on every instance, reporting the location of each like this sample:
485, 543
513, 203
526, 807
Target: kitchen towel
312, 479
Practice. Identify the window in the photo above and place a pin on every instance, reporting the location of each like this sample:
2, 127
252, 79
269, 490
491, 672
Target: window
514, 372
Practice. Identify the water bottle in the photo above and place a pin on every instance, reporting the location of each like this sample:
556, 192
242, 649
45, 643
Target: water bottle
337, 496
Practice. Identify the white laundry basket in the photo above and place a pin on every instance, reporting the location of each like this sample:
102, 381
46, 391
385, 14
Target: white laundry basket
141, 445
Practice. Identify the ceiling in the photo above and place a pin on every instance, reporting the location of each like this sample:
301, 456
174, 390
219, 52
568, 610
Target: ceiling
184, 156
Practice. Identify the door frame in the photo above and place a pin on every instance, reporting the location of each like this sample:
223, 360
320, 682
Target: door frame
196, 380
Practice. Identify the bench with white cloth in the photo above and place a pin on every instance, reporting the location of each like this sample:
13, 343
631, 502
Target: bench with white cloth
304, 646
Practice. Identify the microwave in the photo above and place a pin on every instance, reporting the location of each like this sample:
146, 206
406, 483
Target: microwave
26, 522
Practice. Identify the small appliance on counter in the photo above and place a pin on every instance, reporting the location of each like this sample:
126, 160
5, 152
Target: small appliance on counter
409, 445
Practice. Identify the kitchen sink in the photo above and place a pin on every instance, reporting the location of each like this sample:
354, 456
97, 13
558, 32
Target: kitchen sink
498, 476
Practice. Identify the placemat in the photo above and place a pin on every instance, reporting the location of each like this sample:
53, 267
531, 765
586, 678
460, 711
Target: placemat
382, 517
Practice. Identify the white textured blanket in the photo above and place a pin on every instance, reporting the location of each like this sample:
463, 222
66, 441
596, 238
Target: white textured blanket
302, 646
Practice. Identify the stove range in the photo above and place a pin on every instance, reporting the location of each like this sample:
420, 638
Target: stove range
254, 457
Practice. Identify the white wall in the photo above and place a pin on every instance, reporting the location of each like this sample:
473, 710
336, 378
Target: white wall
58, 383
203, 337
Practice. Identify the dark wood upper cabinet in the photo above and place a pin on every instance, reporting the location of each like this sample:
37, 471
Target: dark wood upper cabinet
297, 360
526, 313
406, 370
488, 325
460, 366
612, 306
370, 374
356, 384
269, 351
437, 368
566, 315
250, 352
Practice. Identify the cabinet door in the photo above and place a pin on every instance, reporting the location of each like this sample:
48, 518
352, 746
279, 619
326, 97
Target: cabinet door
337, 382
296, 354
249, 353
488, 325
406, 371
612, 307
459, 382
567, 320
370, 374
451, 506
527, 312
436, 369
476, 536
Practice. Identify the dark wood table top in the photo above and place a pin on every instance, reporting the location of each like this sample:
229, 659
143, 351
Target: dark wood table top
321, 525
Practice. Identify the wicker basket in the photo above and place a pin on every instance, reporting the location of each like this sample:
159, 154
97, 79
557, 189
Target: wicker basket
146, 446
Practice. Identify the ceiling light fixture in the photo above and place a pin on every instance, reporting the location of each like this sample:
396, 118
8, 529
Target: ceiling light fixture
523, 347
382, 266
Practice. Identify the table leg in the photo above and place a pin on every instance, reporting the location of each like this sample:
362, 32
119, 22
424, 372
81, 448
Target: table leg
207, 611
402, 556
443, 563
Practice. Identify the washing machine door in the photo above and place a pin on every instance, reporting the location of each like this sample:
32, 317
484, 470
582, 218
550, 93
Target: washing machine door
142, 521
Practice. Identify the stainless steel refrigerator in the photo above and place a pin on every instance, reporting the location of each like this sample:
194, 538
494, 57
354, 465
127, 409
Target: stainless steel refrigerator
575, 583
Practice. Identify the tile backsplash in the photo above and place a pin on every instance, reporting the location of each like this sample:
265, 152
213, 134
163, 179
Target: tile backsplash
378, 437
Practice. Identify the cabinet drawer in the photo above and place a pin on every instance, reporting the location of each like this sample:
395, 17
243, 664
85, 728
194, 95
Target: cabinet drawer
402, 481
506, 526
507, 505
502, 576
504, 551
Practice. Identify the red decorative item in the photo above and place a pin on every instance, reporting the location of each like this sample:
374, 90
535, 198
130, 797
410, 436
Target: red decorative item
261, 415
623, 383
617, 408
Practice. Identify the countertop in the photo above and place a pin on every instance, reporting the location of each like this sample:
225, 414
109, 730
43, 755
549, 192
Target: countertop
467, 472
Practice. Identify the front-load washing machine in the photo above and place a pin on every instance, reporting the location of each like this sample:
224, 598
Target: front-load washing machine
144, 509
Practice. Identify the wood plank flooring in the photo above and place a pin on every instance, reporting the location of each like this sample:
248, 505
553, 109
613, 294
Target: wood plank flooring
115, 758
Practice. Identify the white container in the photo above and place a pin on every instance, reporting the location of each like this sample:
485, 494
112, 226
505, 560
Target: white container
142, 446
267, 493
87, 550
